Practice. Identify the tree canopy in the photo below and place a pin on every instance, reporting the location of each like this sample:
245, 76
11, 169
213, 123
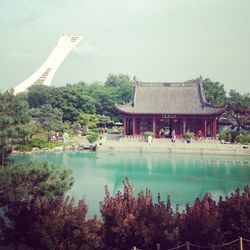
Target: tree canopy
32, 179
73, 99
214, 92
14, 119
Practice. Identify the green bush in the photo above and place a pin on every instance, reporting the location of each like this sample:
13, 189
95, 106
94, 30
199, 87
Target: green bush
149, 133
94, 130
225, 135
23, 148
38, 143
41, 136
243, 138
93, 137
189, 135
53, 144
41, 143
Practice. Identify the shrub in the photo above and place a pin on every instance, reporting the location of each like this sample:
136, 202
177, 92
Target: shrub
93, 137
94, 130
203, 219
234, 213
243, 138
23, 148
225, 135
149, 133
40, 143
189, 135
129, 221
55, 223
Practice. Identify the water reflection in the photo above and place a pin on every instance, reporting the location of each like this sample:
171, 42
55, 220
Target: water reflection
185, 177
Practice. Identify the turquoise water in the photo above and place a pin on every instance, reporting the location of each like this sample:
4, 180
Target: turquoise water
184, 177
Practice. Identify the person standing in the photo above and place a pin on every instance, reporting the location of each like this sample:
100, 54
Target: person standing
173, 136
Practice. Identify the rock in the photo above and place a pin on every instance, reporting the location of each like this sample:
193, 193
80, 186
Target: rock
58, 149
81, 147
67, 147
36, 149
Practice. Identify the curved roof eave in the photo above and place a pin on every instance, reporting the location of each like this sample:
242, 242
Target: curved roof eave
130, 112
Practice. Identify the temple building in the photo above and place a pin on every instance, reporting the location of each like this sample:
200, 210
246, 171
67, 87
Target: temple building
166, 107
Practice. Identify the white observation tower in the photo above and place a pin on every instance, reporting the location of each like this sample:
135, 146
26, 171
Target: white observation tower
46, 72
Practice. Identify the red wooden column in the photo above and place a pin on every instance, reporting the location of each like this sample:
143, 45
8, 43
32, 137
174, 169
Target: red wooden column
205, 128
212, 128
184, 127
215, 128
154, 125
124, 125
133, 125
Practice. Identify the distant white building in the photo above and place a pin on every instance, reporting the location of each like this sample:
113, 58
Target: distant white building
47, 71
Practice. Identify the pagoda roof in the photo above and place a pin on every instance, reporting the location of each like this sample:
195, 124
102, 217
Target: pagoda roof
185, 98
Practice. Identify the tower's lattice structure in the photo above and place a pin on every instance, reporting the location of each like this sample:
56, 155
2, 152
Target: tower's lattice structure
48, 69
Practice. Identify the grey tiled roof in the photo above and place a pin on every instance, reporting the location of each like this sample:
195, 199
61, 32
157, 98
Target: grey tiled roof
169, 98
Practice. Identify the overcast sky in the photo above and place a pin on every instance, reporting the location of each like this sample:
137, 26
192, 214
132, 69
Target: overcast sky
156, 40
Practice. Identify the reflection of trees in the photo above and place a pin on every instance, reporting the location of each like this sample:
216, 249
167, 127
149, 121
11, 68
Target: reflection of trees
185, 177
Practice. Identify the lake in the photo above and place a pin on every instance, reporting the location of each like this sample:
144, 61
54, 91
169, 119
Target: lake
184, 177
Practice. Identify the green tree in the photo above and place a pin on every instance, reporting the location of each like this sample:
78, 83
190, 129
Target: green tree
89, 120
32, 179
72, 100
105, 120
31, 202
105, 100
38, 95
122, 87
239, 108
49, 118
14, 112
214, 92
25, 132
114, 80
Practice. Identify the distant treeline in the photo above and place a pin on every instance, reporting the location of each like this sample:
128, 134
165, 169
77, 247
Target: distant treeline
75, 107
73, 99
99, 98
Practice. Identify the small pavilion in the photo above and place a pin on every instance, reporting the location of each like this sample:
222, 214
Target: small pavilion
169, 106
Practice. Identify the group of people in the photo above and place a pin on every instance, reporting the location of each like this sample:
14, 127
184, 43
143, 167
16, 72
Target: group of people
164, 133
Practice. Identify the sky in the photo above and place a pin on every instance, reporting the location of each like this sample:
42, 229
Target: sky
154, 40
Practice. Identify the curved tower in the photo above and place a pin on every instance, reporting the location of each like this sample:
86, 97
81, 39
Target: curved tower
46, 72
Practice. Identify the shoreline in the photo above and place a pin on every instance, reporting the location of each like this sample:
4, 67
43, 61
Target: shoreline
136, 146
195, 147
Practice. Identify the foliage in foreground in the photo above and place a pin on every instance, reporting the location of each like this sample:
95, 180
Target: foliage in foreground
22, 182
54, 223
58, 223
93, 137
